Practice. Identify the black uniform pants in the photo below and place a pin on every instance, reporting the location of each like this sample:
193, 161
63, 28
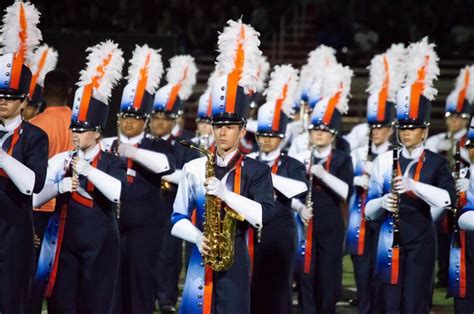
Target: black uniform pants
88, 267
16, 262
320, 290
272, 276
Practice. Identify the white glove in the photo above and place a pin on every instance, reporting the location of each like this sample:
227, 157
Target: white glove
304, 212
215, 187
66, 185
388, 201
403, 184
81, 166
368, 167
444, 145
127, 151
199, 242
462, 185
362, 181
318, 171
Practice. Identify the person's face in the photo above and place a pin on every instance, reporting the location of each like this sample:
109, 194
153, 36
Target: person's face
85, 140
29, 112
10, 108
228, 136
161, 125
456, 123
411, 138
381, 135
321, 138
131, 126
471, 154
268, 143
204, 128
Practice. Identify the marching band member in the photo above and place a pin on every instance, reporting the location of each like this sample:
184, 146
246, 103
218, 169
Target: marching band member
272, 261
168, 106
458, 112
332, 171
406, 190
23, 157
142, 222
240, 184
80, 250
204, 136
461, 258
385, 79
312, 89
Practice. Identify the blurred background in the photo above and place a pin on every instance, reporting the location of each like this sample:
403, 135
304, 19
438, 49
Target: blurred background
358, 29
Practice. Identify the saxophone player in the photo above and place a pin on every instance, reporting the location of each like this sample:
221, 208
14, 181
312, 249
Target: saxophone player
243, 185
409, 194
320, 282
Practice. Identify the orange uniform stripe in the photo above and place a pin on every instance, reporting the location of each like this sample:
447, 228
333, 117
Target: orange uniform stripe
383, 93
416, 90
85, 100
279, 104
35, 76
234, 76
208, 286
462, 93
395, 265
462, 274
331, 107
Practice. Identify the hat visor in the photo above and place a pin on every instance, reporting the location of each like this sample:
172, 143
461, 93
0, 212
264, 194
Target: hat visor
412, 125
226, 118
321, 127
270, 134
133, 114
12, 94
79, 127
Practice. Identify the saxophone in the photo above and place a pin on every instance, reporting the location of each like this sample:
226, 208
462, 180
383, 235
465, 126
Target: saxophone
219, 231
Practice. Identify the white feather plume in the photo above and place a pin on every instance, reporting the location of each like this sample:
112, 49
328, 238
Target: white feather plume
154, 67
49, 65
461, 82
104, 69
283, 75
337, 78
417, 54
12, 28
318, 60
395, 57
182, 70
228, 42
263, 69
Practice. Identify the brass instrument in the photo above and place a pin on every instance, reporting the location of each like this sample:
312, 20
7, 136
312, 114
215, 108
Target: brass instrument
219, 231
396, 211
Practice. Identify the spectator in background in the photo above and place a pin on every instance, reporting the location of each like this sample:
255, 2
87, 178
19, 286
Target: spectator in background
55, 121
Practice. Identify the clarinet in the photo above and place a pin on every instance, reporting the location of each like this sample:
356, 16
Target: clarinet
457, 206
396, 211
309, 195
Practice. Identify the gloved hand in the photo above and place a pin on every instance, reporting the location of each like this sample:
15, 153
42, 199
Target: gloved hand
403, 184
389, 202
444, 145
127, 151
203, 245
318, 171
368, 167
215, 187
67, 184
81, 166
305, 214
362, 181
462, 185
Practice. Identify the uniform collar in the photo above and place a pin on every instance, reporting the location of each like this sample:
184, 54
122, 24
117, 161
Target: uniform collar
132, 140
90, 154
323, 153
175, 131
11, 124
222, 162
459, 134
271, 156
415, 153
382, 148
166, 137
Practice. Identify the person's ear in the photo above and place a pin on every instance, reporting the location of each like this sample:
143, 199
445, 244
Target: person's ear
97, 135
242, 133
